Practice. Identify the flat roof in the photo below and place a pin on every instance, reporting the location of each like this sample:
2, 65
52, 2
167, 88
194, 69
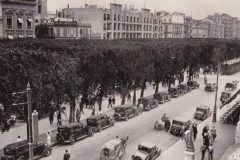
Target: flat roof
112, 143
147, 144
203, 106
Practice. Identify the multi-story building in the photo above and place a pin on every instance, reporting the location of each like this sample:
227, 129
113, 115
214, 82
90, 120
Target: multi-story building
17, 18
199, 29
172, 24
41, 11
215, 30
187, 26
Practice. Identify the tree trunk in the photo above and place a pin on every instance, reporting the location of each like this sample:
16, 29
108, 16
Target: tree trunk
156, 86
134, 96
123, 98
100, 103
142, 88
72, 109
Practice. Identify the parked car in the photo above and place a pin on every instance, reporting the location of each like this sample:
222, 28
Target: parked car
125, 112
193, 84
148, 103
175, 92
179, 126
162, 97
210, 87
202, 112
72, 132
225, 96
184, 88
114, 149
146, 151
20, 151
99, 122
230, 86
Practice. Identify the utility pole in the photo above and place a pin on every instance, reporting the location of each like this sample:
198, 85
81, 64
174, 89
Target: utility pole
215, 104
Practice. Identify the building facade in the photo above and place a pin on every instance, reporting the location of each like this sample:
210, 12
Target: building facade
17, 18
41, 11
199, 29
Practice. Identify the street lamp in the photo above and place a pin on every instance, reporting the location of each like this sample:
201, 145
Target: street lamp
215, 104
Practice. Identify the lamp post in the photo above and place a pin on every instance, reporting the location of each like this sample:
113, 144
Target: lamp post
215, 104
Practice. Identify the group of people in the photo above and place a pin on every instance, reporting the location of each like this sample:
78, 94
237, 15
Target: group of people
111, 101
209, 137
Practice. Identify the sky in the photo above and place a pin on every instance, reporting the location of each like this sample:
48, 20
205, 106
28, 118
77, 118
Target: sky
199, 9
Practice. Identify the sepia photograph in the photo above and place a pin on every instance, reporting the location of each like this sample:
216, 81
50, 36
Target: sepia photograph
119, 80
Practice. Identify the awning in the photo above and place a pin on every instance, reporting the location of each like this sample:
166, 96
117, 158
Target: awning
30, 19
20, 20
10, 36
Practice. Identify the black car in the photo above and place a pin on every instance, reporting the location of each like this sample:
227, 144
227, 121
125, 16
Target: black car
162, 97
202, 112
175, 92
71, 132
225, 96
99, 122
230, 86
148, 103
20, 151
184, 88
179, 126
193, 84
210, 87
125, 112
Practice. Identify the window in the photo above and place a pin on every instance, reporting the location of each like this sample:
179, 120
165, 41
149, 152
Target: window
127, 18
115, 17
81, 32
19, 23
108, 26
104, 16
29, 23
108, 17
9, 22
104, 27
118, 17
39, 9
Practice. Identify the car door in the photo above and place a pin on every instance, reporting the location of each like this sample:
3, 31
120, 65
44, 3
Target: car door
104, 121
77, 131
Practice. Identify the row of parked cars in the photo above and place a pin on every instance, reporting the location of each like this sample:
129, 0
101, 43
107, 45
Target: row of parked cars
70, 133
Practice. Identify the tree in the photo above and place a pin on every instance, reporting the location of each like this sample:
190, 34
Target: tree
42, 31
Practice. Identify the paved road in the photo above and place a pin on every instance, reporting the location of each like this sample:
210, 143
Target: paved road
141, 128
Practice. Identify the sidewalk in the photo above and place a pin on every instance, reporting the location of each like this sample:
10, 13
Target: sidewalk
225, 138
44, 126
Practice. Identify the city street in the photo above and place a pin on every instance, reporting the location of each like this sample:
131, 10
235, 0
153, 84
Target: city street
141, 128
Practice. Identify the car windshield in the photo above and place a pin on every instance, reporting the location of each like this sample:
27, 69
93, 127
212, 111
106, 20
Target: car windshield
178, 123
225, 94
9, 151
201, 110
120, 109
229, 85
63, 130
144, 149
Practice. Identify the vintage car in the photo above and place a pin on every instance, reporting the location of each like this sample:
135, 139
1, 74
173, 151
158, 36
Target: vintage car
125, 112
179, 126
225, 96
148, 103
72, 132
114, 149
20, 151
210, 87
162, 97
230, 86
193, 84
202, 112
99, 122
175, 92
184, 88
146, 151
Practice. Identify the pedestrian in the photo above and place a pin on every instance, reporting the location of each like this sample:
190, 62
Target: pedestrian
210, 152
167, 124
81, 105
78, 115
49, 138
113, 101
195, 131
59, 119
206, 140
129, 97
109, 102
51, 116
203, 150
213, 133
66, 155
205, 130
19, 139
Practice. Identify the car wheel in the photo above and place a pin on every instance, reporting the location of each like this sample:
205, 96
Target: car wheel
72, 140
47, 153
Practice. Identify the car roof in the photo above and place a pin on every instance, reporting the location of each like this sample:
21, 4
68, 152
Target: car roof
203, 106
96, 116
147, 144
16, 144
125, 105
182, 119
163, 92
112, 143
70, 125
148, 97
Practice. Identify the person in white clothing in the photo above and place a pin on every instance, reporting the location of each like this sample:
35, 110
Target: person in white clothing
49, 138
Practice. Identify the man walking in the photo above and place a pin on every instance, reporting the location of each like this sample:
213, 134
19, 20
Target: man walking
66, 155
113, 101
213, 133
203, 150
78, 115
195, 131
167, 124
109, 102
210, 152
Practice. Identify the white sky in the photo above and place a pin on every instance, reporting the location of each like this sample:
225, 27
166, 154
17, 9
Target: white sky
197, 8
